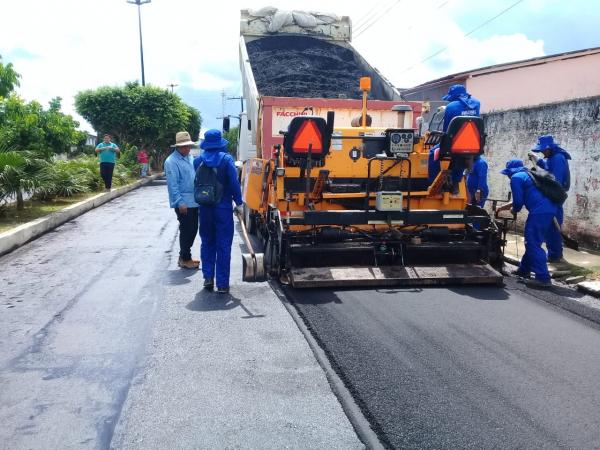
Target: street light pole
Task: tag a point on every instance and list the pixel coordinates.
(140, 3)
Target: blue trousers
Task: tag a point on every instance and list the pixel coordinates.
(216, 235)
(554, 239)
(435, 167)
(534, 259)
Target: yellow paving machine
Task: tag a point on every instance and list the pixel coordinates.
(353, 206)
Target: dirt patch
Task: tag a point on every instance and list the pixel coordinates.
(300, 66)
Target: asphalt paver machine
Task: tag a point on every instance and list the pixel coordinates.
(353, 206)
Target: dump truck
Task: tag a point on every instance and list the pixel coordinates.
(303, 71)
(338, 190)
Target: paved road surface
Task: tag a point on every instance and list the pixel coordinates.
(105, 343)
(468, 367)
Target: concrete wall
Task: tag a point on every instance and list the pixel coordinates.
(550, 82)
(575, 125)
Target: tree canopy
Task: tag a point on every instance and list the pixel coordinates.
(27, 126)
(232, 137)
(9, 78)
(144, 116)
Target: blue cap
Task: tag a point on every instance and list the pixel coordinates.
(213, 140)
(512, 166)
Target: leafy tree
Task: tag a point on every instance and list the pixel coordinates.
(145, 116)
(9, 78)
(60, 130)
(232, 137)
(27, 126)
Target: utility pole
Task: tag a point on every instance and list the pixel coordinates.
(172, 86)
(241, 99)
(140, 3)
(223, 97)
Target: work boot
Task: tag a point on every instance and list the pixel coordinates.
(223, 290)
(209, 283)
(188, 264)
(538, 284)
(558, 262)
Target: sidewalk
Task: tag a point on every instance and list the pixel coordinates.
(583, 268)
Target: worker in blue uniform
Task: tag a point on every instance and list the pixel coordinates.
(461, 104)
(555, 161)
(216, 222)
(540, 219)
(477, 184)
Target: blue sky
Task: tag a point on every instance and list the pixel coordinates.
(70, 45)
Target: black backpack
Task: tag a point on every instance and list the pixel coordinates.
(548, 186)
(208, 191)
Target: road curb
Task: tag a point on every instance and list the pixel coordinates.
(361, 425)
(590, 287)
(12, 239)
(588, 308)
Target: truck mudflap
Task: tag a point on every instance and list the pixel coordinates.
(451, 274)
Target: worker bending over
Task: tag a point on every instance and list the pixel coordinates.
(461, 104)
(555, 161)
(539, 221)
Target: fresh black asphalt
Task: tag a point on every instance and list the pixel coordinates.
(464, 367)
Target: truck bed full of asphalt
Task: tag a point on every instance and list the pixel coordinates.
(300, 66)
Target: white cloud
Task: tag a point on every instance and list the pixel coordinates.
(83, 44)
(412, 40)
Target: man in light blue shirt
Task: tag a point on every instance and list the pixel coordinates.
(107, 151)
(180, 173)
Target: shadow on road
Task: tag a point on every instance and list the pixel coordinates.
(486, 293)
(311, 296)
(178, 277)
(206, 301)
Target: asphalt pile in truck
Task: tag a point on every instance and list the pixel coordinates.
(300, 66)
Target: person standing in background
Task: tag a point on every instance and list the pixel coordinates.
(142, 158)
(477, 185)
(107, 152)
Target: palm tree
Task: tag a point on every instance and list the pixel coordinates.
(20, 173)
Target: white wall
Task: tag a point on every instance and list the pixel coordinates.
(576, 126)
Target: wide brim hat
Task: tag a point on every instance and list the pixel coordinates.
(454, 92)
(182, 139)
(512, 166)
(213, 140)
(545, 143)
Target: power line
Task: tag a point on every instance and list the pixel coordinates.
(438, 7)
(364, 19)
(373, 22)
(410, 27)
(477, 28)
